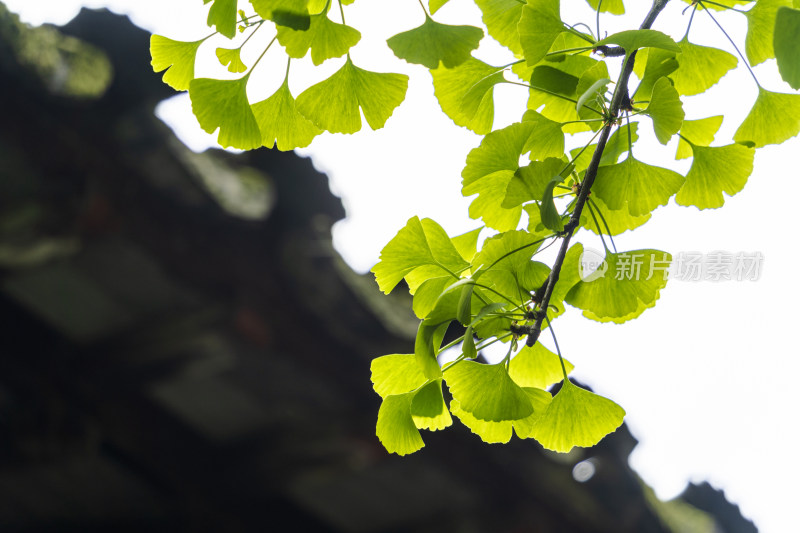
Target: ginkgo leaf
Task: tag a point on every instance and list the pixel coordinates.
(500, 432)
(716, 170)
(396, 429)
(177, 57)
(700, 67)
(427, 295)
(467, 244)
(501, 18)
(425, 346)
(536, 366)
(539, 26)
(569, 277)
(666, 110)
(546, 139)
(291, 13)
(223, 105)
(434, 42)
(326, 39)
(699, 132)
(638, 186)
(436, 5)
(231, 58)
(396, 374)
(281, 124)
(491, 189)
(774, 118)
(452, 85)
(618, 144)
(651, 65)
(787, 45)
(576, 417)
(760, 30)
(529, 182)
(487, 392)
(615, 7)
(609, 222)
(334, 103)
(428, 409)
(549, 214)
(631, 40)
(222, 14)
(505, 264)
(419, 243)
(629, 284)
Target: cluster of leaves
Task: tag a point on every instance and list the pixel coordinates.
(502, 293)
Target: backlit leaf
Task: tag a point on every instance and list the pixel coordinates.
(334, 103)
(787, 45)
(326, 39)
(700, 67)
(428, 293)
(666, 110)
(538, 28)
(576, 417)
(638, 186)
(222, 14)
(529, 182)
(419, 243)
(452, 85)
(651, 65)
(760, 30)
(774, 118)
(434, 42)
(425, 347)
(536, 366)
(631, 40)
(501, 18)
(467, 244)
(177, 57)
(396, 429)
(500, 432)
(281, 124)
(436, 5)
(487, 392)
(716, 170)
(609, 222)
(506, 265)
(231, 58)
(223, 105)
(700, 132)
(428, 409)
(615, 7)
(396, 374)
(291, 13)
(629, 284)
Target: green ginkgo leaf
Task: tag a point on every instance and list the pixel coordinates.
(425, 346)
(223, 105)
(716, 170)
(637, 186)
(569, 277)
(700, 132)
(231, 58)
(334, 103)
(501, 18)
(420, 243)
(774, 118)
(546, 139)
(428, 409)
(787, 45)
(576, 417)
(396, 429)
(325, 38)
(549, 214)
(487, 392)
(666, 110)
(538, 28)
(601, 220)
(505, 264)
(619, 143)
(434, 42)
(628, 284)
(396, 374)
(700, 67)
(176, 57)
(631, 40)
(500, 432)
(451, 86)
(529, 182)
(467, 244)
(615, 7)
(536, 366)
(281, 124)
(436, 5)
(222, 14)
(651, 65)
(427, 295)
(758, 44)
(291, 13)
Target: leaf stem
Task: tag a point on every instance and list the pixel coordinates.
(746, 63)
(540, 89)
(558, 350)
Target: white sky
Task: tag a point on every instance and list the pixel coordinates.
(707, 376)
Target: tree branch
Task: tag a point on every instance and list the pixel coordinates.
(619, 101)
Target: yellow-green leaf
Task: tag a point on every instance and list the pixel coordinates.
(451, 85)
(396, 374)
(638, 186)
(223, 105)
(666, 110)
(760, 30)
(787, 45)
(325, 38)
(176, 57)
(232, 59)
(222, 14)
(434, 42)
(538, 28)
(774, 118)
(536, 366)
(716, 170)
(487, 392)
(396, 429)
(700, 67)
(428, 409)
(700, 132)
(281, 124)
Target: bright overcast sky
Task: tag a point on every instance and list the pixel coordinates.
(707, 376)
